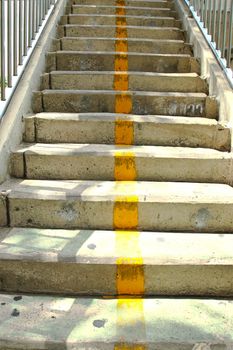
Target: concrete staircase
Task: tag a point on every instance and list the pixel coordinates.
(119, 200)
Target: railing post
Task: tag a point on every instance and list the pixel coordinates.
(3, 63)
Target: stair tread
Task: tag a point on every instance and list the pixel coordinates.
(45, 322)
(113, 53)
(135, 93)
(100, 247)
(118, 16)
(152, 74)
(133, 117)
(126, 7)
(164, 192)
(123, 26)
(64, 149)
(172, 41)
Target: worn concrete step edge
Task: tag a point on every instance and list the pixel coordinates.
(75, 30)
(109, 162)
(129, 10)
(96, 323)
(130, 19)
(134, 45)
(141, 102)
(150, 206)
(98, 262)
(145, 3)
(102, 60)
(147, 130)
(140, 81)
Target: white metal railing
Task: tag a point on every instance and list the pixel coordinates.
(21, 24)
(215, 19)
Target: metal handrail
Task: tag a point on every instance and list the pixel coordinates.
(21, 24)
(215, 19)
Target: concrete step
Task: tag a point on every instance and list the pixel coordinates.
(83, 262)
(104, 324)
(146, 130)
(138, 102)
(130, 20)
(105, 61)
(166, 33)
(127, 10)
(126, 205)
(139, 81)
(114, 162)
(133, 45)
(137, 3)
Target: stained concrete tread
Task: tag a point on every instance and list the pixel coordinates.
(134, 20)
(148, 130)
(105, 61)
(162, 206)
(140, 81)
(99, 162)
(134, 45)
(130, 10)
(188, 104)
(49, 322)
(144, 3)
(172, 263)
(95, 30)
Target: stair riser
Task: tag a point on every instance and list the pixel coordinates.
(136, 32)
(143, 21)
(92, 279)
(76, 102)
(70, 61)
(101, 167)
(138, 83)
(130, 11)
(83, 130)
(165, 47)
(152, 4)
(75, 212)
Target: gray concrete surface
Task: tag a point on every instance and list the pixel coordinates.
(87, 262)
(48, 322)
(98, 162)
(90, 204)
(147, 130)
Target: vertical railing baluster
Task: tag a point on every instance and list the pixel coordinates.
(25, 28)
(29, 23)
(223, 47)
(219, 25)
(15, 38)
(9, 44)
(214, 21)
(20, 32)
(229, 53)
(3, 63)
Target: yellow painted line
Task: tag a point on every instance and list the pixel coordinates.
(126, 213)
(125, 167)
(130, 315)
(130, 269)
(123, 101)
(124, 132)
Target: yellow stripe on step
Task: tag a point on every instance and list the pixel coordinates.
(130, 270)
(125, 167)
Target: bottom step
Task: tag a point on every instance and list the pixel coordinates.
(47, 322)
